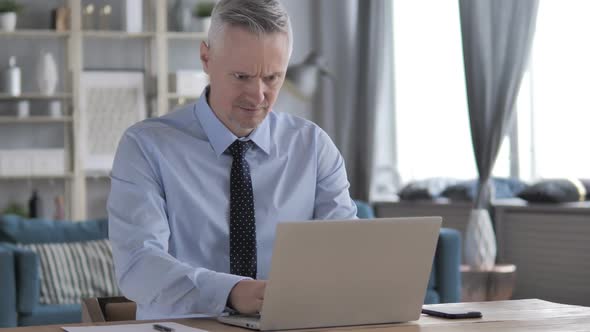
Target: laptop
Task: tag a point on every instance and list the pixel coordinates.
(341, 273)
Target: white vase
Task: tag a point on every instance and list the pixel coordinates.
(480, 241)
(134, 16)
(7, 21)
(55, 109)
(47, 74)
(23, 109)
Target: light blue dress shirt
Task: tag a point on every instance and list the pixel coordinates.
(169, 203)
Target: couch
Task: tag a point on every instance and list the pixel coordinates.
(19, 268)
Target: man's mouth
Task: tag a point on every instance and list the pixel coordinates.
(251, 109)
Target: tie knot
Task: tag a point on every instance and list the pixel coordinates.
(238, 148)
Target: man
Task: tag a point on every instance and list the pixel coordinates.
(196, 195)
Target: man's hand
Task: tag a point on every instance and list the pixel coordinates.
(247, 296)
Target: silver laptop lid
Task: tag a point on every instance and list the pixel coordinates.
(355, 272)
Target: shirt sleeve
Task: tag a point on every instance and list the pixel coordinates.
(332, 197)
(139, 233)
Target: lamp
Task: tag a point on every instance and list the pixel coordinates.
(302, 79)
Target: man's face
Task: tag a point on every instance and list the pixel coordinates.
(246, 72)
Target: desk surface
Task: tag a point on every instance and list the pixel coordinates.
(516, 315)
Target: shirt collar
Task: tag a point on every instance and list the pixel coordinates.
(220, 136)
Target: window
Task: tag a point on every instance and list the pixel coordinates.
(554, 104)
(433, 131)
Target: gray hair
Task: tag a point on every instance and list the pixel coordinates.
(257, 16)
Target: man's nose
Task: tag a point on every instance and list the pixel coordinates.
(256, 92)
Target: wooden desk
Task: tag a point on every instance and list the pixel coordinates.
(516, 315)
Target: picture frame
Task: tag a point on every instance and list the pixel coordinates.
(111, 101)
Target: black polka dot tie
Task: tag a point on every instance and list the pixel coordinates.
(242, 224)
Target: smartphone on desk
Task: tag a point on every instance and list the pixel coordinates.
(452, 314)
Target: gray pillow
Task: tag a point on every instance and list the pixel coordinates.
(556, 191)
(425, 189)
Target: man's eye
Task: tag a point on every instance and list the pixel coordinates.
(241, 77)
(272, 78)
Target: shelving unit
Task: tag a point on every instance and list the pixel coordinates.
(116, 34)
(66, 176)
(35, 119)
(156, 37)
(35, 33)
(35, 96)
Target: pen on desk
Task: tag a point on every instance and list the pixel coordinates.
(162, 328)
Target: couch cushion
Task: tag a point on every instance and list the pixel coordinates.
(25, 270)
(426, 189)
(556, 191)
(432, 279)
(431, 297)
(16, 229)
(72, 271)
(52, 314)
(364, 210)
(8, 288)
(467, 190)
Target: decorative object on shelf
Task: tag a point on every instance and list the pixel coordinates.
(202, 13)
(47, 74)
(59, 212)
(8, 11)
(55, 109)
(60, 19)
(48, 162)
(104, 17)
(11, 78)
(88, 21)
(34, 205)
(134, 16)
(111, 102)
(182, 16)
(188, 82)
(302, 79)
(23, 109)
(480, 241)
(33, 162)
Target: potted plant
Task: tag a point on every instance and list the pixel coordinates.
(16, 209)
(202, 12)
(8, 11)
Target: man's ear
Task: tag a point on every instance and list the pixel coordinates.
(205, 51)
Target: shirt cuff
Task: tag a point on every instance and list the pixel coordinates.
(216, 287)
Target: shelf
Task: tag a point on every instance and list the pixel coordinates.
(98, 174)
(35, 33)
(36, 96)
(35, 119)
(37, 177)
(177, 96)
(187, 35)
(117, 34)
